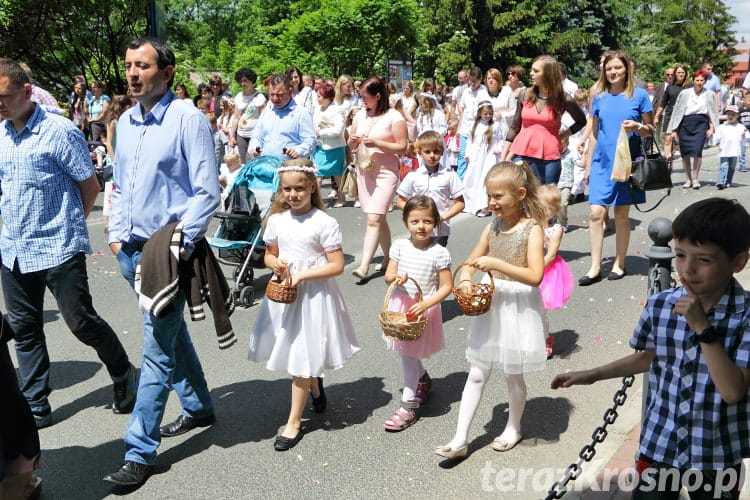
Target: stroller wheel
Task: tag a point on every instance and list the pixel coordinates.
(247, 296)
(245, 278)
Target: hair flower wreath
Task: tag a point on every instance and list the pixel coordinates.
(298, 168)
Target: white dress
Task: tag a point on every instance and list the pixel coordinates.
(482, 157)
(509, 336)
(314, 332)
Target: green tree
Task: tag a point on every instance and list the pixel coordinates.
(64, 38)
(668, 31)
(352, 36)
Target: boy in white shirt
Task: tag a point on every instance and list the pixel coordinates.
(730, 136)
(438, 182)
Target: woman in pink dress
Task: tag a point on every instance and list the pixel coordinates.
(535, 135)
(378, 135)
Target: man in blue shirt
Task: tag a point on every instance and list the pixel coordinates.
(713, 83)
(164, 172)
(48, 187)
(285, 129)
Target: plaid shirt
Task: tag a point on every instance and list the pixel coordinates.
(686, 423)
(40, 200)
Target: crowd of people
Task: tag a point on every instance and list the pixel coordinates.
(519, 154)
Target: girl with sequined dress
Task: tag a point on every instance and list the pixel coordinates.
(510, 336)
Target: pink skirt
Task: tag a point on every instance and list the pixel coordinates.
(377, 187)
(431, 340)
(557, 284)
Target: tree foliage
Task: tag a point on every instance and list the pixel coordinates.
(330, 37)
(66, 37)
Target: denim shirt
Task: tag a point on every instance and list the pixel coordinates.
(41, 204)
(164, 171)
(279, 128)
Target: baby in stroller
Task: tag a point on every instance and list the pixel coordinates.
(238, 238)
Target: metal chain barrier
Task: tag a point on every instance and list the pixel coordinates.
(659, 278)
(559, 488)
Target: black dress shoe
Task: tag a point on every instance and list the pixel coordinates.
(130, 474)
(613, 276)
(587, 280)
(184, 424)
(319, 403)
(283, 443)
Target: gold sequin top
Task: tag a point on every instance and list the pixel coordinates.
(510, 246)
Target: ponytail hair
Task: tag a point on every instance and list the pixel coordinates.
(517, 175)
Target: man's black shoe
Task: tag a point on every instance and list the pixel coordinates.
(130, 474)
(184, 424)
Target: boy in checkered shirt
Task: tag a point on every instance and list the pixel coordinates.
(694, 341)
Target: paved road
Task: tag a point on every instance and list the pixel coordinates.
(345, 452)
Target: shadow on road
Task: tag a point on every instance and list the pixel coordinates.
(64, 374)
(250, 411)
(256, 410)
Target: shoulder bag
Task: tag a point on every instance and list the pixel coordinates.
(651, 172)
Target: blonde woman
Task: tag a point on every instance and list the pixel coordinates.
(617, 103)
(344, 94)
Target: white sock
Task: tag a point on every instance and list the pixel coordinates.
(516, 404)
(412, 371)
(470, 398)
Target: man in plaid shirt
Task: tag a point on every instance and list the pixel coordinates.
(693, 341)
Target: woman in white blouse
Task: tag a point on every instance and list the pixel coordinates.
(330, 152)
(694, 118)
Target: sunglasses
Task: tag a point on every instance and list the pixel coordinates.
(511, 73)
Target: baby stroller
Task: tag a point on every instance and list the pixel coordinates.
(238, 239)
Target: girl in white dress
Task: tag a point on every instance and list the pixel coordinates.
(314, 332)
(427, 263)
(483, 148)
(510, 336)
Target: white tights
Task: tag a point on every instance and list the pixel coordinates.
(413, 370)
(473, 389)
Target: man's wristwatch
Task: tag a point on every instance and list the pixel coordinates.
(707, 336)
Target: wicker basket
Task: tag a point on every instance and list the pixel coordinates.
(396, 325)
(478, 300)
(281, 291)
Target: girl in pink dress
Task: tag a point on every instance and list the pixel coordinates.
(378, 135)
(427, 263)
(557, 283)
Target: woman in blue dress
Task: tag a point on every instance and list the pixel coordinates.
(616, 103)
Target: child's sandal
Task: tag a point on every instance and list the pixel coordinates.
(422, 394)
(400, 420)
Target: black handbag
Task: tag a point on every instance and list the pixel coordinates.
(651, 172)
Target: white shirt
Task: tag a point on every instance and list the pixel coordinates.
(730, 137)
(249, 108)
(443, 186)
(468, 106)
(570, 87)
(696, 104)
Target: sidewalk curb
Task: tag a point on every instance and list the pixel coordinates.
(615, 453)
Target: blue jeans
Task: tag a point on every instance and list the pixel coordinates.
(169, 361)
(24, 301)
(546, 171)
(462, 165)
(743, 167)
(726, 169)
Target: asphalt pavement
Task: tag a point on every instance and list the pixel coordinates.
(345, 452)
